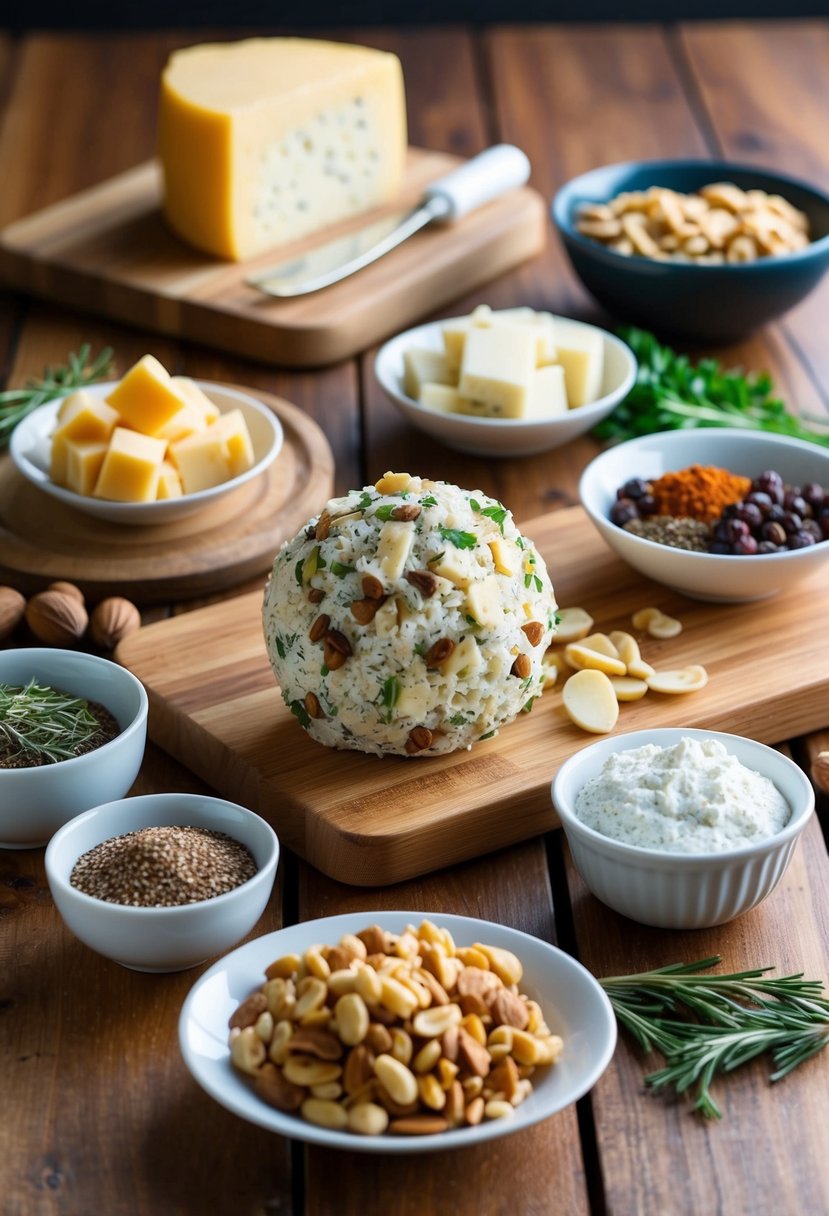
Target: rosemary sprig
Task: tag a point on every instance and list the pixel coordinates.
(709, 1024)
(42, 725)
(77, 372)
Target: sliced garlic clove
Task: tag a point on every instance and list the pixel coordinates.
(663, 626)
(626, 646)
(590, 702)
(628, 689)
(685, 679)
(602, 643)
(640, 670)
(581, 657)
(573, 623)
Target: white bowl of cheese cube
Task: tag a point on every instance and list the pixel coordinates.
(505, 383)
(83, 451)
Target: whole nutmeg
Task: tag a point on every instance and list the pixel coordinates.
(56, 618)
(67, 589)
(112, 620)
(12, 607)
(820, 771)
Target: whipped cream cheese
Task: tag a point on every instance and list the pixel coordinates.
(693, 797)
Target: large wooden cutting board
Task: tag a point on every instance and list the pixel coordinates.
(370, 821)
(108, 251)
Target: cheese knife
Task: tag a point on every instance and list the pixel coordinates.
(485, 177)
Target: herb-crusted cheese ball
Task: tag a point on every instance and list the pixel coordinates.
(409, 618)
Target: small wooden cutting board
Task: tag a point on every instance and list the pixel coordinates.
(222, 545)
(108, 251)
(369, 821)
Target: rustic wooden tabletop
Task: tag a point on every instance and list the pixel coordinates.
(98, 1111)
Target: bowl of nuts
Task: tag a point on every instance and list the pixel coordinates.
(72, 733)
(704, 251)
(720, 514)
(405, 1036)
(161, 882)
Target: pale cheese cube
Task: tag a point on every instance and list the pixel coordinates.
(581, 354)
(464, 660)
(422, 366)
(542, 323)
(195, 396)
(454, 340)
(145, 398)
(415, 700)
(202, 460)
(188, 421)
(548, 397)
(265, 140)
(484, 603)
(85, 418)
(497, 368)
(233, 431)
(505, 555)
(457, 565)
(131, 467)
(394, 545)
(385, 619)
(445, 399)
(83, 465)
(169, 482)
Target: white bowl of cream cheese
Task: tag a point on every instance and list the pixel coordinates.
(681, 828)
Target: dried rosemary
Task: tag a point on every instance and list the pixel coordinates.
(41, 725)
(709, 1024)
(16, 403)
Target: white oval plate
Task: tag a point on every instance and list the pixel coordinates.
(30, 448)
(574, 1004)
(503, 436)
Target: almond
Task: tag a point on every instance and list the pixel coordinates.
(12, 608)
(112, 620)
(56, 618)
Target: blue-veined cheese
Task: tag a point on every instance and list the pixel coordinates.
(266, 140)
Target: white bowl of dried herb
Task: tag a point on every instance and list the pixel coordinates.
(72, 732)
(161, 882)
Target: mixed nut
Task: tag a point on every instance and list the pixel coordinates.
(404, 1033)
(59, 617)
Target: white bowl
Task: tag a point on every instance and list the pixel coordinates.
(162, 939)
(35, 802)
(681, 890)
(706, 576)
(30, 449)
(574, 1004)
(502, 436)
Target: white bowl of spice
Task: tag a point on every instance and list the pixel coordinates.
(72, 732)
(162, 882)
(755, 505)
(681, 828)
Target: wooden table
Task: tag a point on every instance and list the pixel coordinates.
(98, 1111)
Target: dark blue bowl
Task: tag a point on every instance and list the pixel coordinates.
(706, 304)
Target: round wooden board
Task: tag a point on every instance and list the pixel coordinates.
(235, 539)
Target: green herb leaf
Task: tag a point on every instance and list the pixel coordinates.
(461, 540)
(77, 373)
(671, 393)
(429, 501)
(388, 697)
(384, 511)
(340, 570)
(709, 1024)
(299, 711)
(497, 514)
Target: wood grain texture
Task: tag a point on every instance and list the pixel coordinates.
(368, 821)
(107, 250)
(219, 547)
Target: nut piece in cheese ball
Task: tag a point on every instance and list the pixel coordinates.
(408, 618)
(266, 140)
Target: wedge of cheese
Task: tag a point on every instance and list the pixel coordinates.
(266, 140)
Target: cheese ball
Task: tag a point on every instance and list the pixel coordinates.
(410, 618)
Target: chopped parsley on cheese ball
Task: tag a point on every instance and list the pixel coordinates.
(409, 618)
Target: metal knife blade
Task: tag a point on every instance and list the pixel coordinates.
(481, 179)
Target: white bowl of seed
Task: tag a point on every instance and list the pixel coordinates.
(162, 882)
(72, 732)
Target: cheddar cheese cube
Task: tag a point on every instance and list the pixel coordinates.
(131, 467)
(233, 430)
(202, 460)
(196, 397)
(85, 418)
(169, 482)
(146, 398)
(83, 465)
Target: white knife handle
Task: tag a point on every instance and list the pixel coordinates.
(481, 179)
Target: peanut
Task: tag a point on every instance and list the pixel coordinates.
(397, 1080)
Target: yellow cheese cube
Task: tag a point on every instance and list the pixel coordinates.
(548, 392)
(202, 460)
(497, 368)
(57, 460)
(581, 354)
(395, 483)
(457, 565)
(454, 340)
(145, 398)
(169, 482)
(131, 467)
(424, 366)
(393, 546)
(505, 555)
(196, 397)
(232, 429)
(266, 140)
(83, 465)
(188, 421)
(85, 418)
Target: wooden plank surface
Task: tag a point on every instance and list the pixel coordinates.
(368, 821)
(71, 1024)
